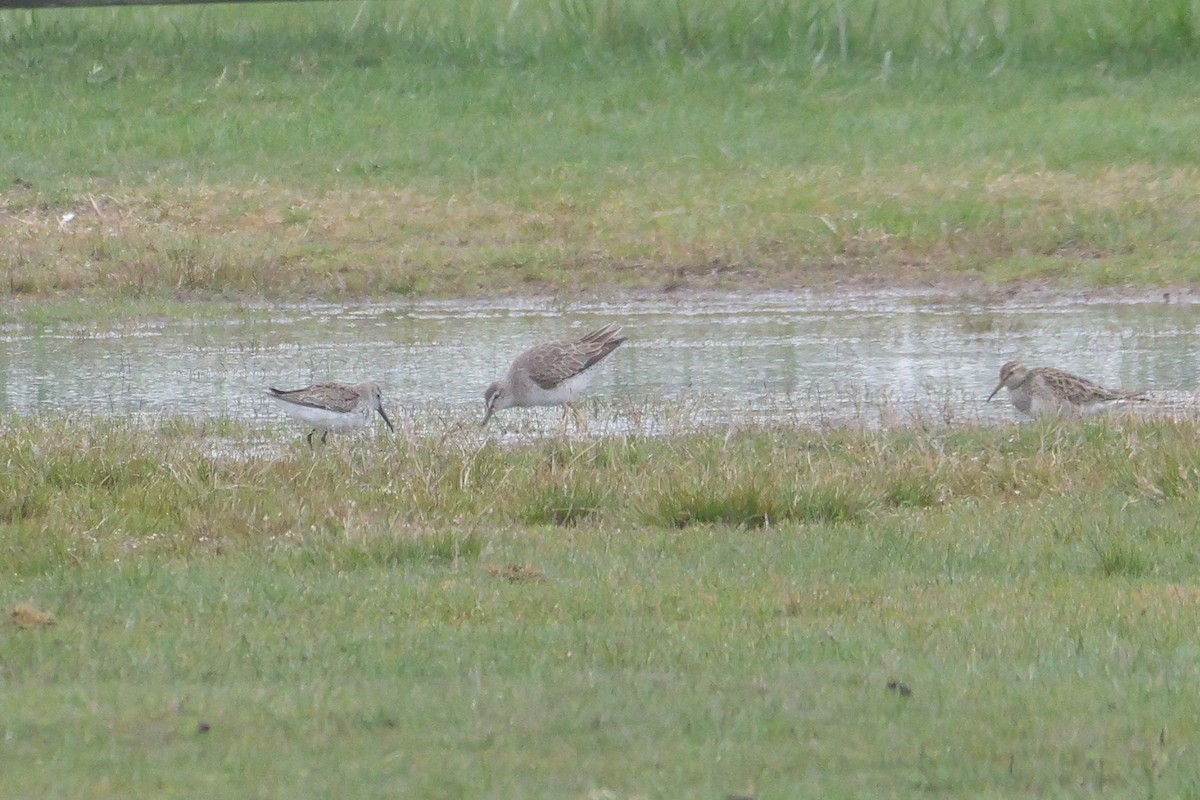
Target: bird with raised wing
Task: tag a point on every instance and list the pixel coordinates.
(552, 374)
(335, 407)
(1042, 391)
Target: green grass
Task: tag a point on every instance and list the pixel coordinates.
(466, 148)
(448, 618)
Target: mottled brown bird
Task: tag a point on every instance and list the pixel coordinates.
(552, 374)
(1042, 391)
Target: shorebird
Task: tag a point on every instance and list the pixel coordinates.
(329, 407)
(552, 374)
(1042, 391)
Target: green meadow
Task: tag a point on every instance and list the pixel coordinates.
(760, 612)
(1004, 612)
(467, 148)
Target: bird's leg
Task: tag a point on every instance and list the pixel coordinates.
(580, 415)
(324, 436)
(562, 423)
(309, 438)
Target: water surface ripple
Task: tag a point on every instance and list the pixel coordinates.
(809, 358)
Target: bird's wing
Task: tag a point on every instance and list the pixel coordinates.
(1081, 391)
(550, 364)
(328, 396)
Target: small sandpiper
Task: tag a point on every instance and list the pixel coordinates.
(329, 407)
(1043, 391)
(552, 374)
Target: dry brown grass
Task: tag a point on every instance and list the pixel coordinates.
(760, 231)
(517, 573)
(27, 616)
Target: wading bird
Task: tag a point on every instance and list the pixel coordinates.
(552, 374)
(1042, 391)
(329, 407)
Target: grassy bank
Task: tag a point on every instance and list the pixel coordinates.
(992, 612)
(450, 149)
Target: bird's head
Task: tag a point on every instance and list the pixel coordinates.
(493, 400)
(1011, 376)
(375, 395)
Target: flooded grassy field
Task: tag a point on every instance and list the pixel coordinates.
(860, 358)
(797, 554)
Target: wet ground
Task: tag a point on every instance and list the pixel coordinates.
(810, 359)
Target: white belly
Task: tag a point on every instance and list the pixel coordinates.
(325, 420)
(568, 391)
(1042, 407)
(573, 388)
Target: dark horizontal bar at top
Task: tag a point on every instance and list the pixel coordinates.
(96, 3)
